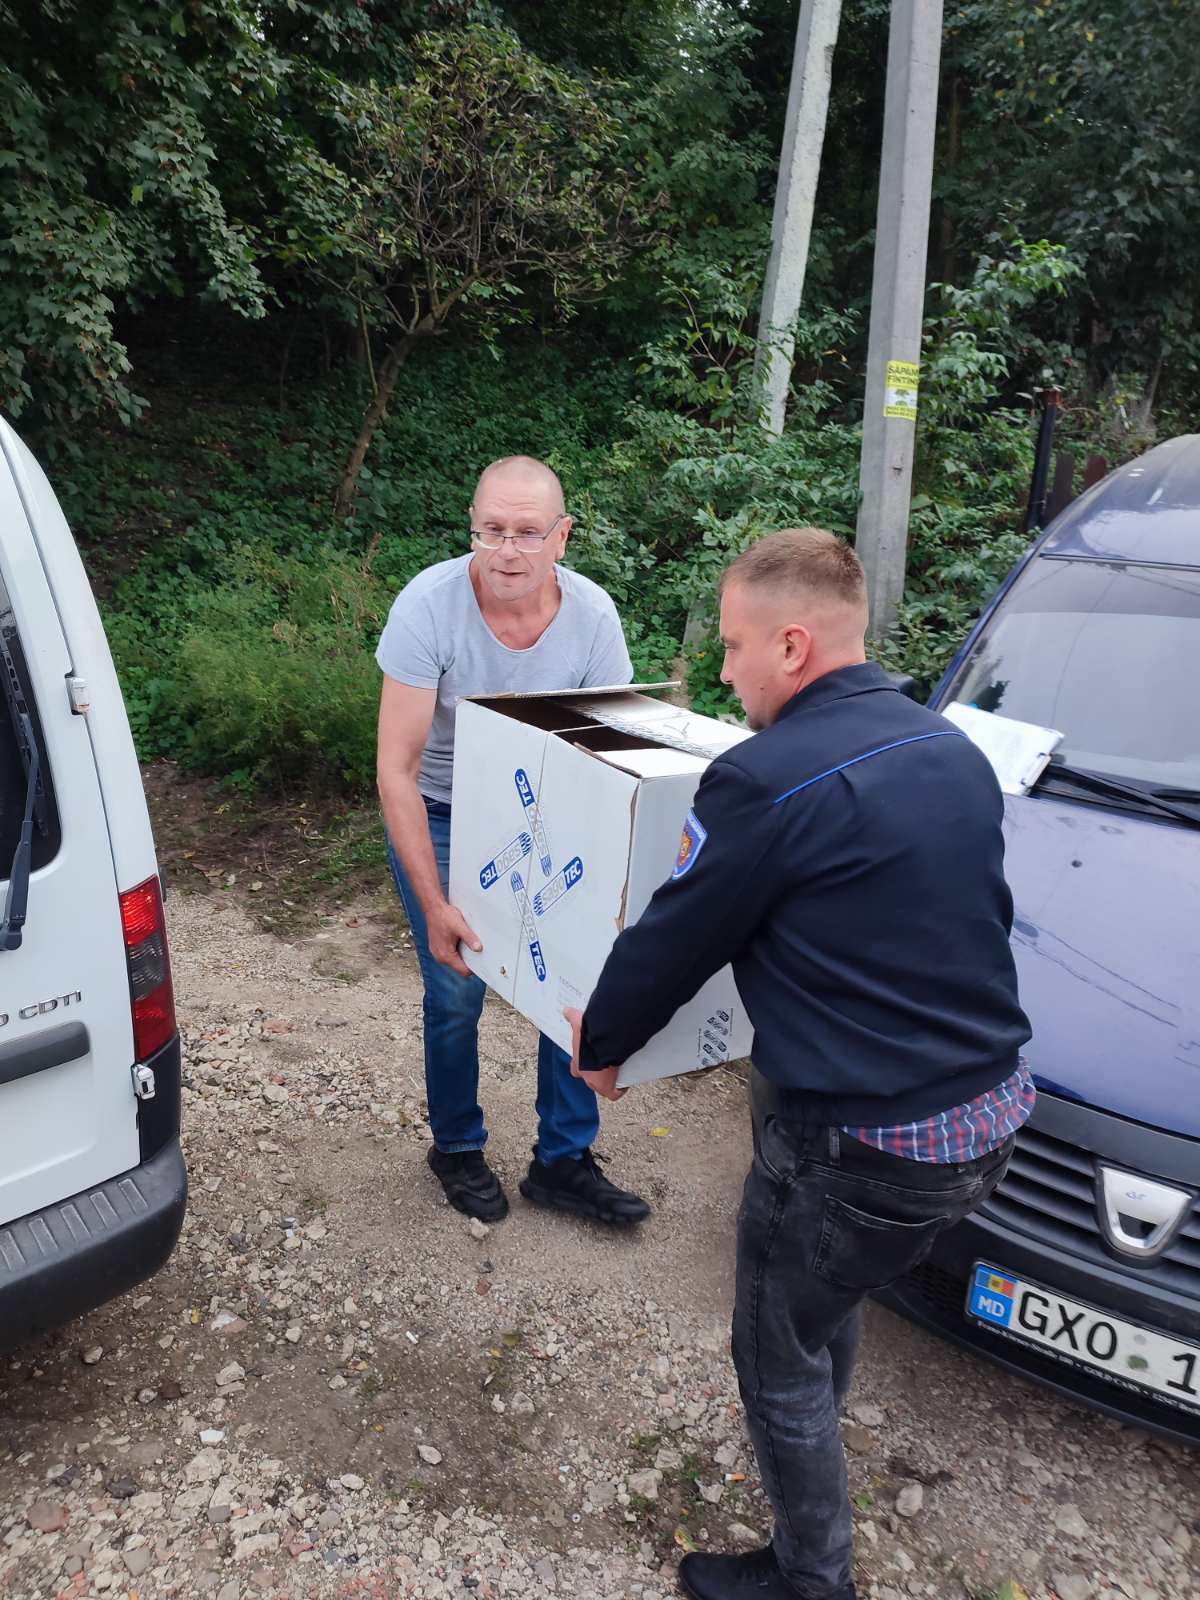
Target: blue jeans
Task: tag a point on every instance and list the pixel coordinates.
(568, 1114)
(824, 1221)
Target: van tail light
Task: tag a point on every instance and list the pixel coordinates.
(150, 991)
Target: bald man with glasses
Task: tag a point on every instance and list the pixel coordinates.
(506, 617)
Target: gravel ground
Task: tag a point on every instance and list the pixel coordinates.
(339, 1387)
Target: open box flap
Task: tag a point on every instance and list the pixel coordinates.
(665, 724)
(563, 694)
(664, 762)
(628, 709)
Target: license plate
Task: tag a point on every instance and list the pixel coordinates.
(1129, 1355)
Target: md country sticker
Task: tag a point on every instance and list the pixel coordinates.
(992, 1295)
(694, 838)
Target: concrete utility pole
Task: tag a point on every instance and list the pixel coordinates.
(898, 301)
(795, 193)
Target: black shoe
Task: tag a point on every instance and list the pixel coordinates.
(470, 1184)
(579, 1185)
(751, 1577)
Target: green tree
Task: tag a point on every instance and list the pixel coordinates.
(1081, 124)
(486, 175)
(114, 123)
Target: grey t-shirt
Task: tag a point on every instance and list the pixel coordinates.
(436, 638)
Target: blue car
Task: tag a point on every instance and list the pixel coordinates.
(1083, 1270)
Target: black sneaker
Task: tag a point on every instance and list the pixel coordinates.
(470, 1184)
(579, 1185)
(755, 1576)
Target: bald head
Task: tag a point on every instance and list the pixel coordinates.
(526, 475)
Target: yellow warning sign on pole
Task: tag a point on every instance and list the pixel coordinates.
(900, 392)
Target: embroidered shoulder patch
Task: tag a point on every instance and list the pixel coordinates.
(690, 846)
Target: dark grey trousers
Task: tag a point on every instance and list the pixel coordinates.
(824, 1220)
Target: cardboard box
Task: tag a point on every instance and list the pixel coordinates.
(567, 814)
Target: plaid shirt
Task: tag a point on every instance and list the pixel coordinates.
(965, 1133)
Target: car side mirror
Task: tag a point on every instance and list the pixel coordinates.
(905, 683)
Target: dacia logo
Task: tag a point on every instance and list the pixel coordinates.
(41, 1008)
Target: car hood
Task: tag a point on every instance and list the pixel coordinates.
(1106, 934)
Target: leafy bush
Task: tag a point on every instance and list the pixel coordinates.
(274, 675)
(981, 335)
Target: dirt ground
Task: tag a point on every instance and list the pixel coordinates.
(337, 1387)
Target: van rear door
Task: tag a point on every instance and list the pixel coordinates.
(68, 1112)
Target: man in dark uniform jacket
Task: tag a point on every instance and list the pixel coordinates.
(848, 860)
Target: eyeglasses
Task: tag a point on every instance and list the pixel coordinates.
(527, 543)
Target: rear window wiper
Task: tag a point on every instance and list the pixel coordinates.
(17, 899)
(1100, 784)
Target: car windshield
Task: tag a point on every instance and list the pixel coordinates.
(1106, 653)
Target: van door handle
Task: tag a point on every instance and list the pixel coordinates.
(54, 1047)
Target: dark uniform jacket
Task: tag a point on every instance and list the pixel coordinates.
(848, 861)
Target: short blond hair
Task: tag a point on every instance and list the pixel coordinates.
(807, 559)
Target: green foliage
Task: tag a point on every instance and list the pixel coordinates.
(244, 633)
(698, 494)
(1082, 122)
(702, 363)
(982, 337)
(251, 158)
(114, 121)
(482, 173)
(958, 556)
(321, 154)
(273, 674)
(685, 127)
(325, 187)
(580, 35)
(478, 165)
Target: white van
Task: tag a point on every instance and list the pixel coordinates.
(92, 1180)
